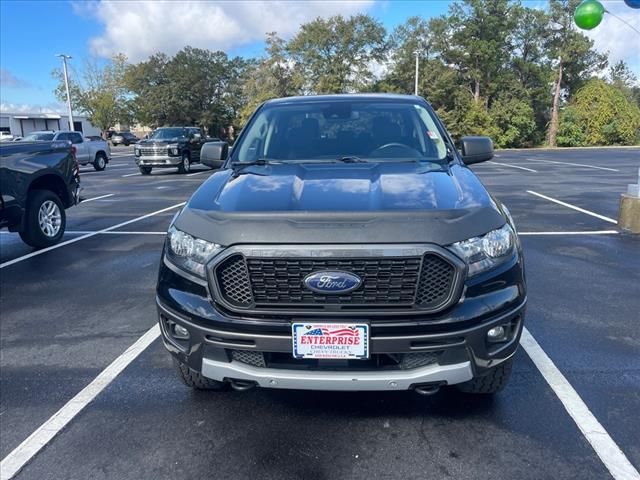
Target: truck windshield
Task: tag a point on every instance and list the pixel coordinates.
(342, 130)
(168, 133)
(38, 137)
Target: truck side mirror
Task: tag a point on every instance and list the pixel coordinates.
(213, 154)
(476, 149)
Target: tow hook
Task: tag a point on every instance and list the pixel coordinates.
(427, 389)
(241, 385)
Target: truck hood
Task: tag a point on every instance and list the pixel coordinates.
(341, 203)
(159, 143)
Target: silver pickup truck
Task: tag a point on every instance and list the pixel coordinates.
(95, 152)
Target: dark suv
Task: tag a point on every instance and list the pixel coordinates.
(169, 147)
(345, 245)
(123, 138)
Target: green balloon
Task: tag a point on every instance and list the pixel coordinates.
(589, 14)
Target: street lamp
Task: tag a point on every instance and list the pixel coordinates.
(417, 54)
(66, 85)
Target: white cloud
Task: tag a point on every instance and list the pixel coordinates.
(139, 29)
(32, 108)
(615, 37)
(9, 80)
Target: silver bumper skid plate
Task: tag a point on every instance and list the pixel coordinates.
(345, 381)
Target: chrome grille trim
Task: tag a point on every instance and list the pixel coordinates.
(154, 152)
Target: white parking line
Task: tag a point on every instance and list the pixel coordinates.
(514, 166)
(98, 198)
(586, 232)
(24, 452)
(114, 232)
(607, 450)
(613, 458)
(131, 174)
(573, 207)
(197, 173)
(77, 239)
(573, 164)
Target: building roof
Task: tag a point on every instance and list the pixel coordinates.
(49, 116)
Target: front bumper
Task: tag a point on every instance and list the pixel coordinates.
(456, 337)
(462, 354)
(158, 161)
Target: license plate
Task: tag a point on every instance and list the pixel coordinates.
(330, 340)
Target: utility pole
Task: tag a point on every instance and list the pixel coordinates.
(417, 54)
(66, 85)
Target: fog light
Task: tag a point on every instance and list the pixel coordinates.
(496, 334)
(180, 332)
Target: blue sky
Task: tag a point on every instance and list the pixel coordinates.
(33, 31)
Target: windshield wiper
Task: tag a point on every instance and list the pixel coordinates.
(350, 159)
(240, 166)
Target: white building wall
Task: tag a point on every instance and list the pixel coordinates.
(23, 123)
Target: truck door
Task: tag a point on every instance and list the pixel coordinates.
(83, 153)
(197, 141)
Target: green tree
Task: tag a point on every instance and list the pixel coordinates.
(273, 76)
(575, 59)
(335, 54)
(622, 77)
(194, 87)
(514, 121)
(405, 40)
(600, 114)
(530, 67)
(475, 38)
(100, 92)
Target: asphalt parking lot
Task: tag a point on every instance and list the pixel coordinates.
(68, 313)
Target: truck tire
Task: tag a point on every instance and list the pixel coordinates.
(145, 170)
(492, 382)
(45, 219)
(100, 162)
(185, 165)
(195, 380)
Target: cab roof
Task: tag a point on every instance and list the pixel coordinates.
(345, 97)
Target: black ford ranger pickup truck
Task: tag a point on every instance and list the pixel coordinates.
(169, 147)
(344, 245)
(38, 181)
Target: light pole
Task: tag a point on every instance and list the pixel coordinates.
(66, 85)
(417, 54)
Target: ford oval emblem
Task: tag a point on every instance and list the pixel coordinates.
(332, 282)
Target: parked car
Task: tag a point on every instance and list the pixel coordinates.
(123, 138)
(38, 181)
(95, 152)
(6, 136)
(345, 245)
(169, 147)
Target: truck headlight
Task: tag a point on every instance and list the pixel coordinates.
(136, 152)
(174, 149)
(190, 253)
(485, 252)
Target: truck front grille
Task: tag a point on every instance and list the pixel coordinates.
(268, 284)
(153, 152)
